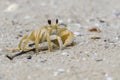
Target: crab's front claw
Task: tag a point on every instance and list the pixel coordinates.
(67, 38)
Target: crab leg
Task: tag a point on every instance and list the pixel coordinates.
(37, 39)
(17, 49)
(69, 39)
(49, 41)
(57, 41)
(19, 45)
(31, 36)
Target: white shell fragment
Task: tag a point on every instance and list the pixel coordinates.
(11, 7)
(58, 71)
(64, 53)
(76, 34)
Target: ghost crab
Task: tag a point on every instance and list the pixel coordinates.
(51, 33)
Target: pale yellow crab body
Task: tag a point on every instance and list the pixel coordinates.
(60, 36)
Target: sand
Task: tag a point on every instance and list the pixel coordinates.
(88, 59)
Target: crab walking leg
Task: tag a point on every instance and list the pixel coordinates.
(59, 40)
(19, 45)
(69, 39)
(31, 36)
(17, 49)
(37, 40)
(49, 41)
(43, 35)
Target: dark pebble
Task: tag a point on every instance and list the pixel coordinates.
(98, 60)
(102, 21)
(29, 57)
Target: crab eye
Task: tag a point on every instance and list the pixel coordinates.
(56, 21)
(49, 22)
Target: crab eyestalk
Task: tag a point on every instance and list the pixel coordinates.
(49, 21)
(56, 21)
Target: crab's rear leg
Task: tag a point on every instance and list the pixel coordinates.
(31, 37)
(19, 45)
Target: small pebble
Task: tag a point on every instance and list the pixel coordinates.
(94, 37)
(102, 21)
(97, 24)
(84, 59)
(19, 35)
(60, 21)
(11, 7)
(27, 17)
(43, 61)
(94, 29)
(93, 53)
(29, 57)
(59, 71)
(69, 20)
(76, 34)
(98, 60)
(64, 53)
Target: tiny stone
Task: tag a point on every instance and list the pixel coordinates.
(105, 40)
(96, 24)
(61, 70)
(94, 54)
(76, 34)
(29, 57)
(55, 74)
(19, 35)
(102, 21)
(43, 61)
(27, 30)
(11, 7)
(60, 21)
(69, 20)
(64, 53)
(84, 59)
(27, 17)
(58, 71)
(98, 60)
(94, 37)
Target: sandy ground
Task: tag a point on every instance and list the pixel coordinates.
(88, 59)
